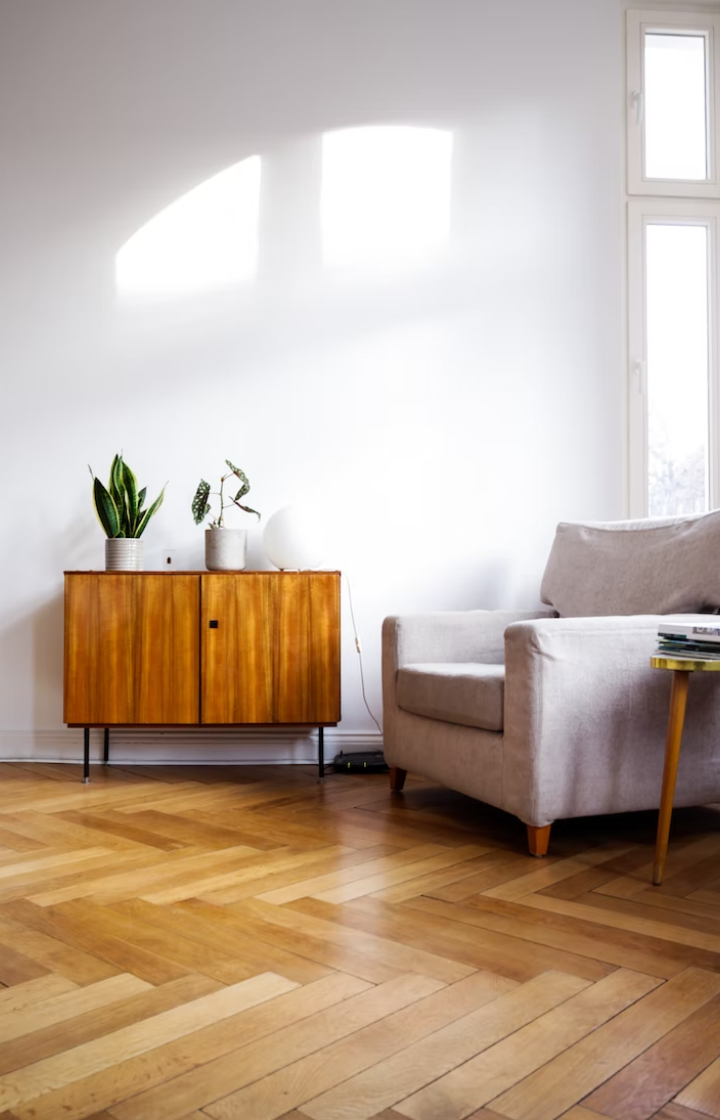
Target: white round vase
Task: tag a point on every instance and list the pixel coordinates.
(225, 549)
(123, 554)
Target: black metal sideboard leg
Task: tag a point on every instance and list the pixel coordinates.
(106, 746)
(321, 753)
(86, 755)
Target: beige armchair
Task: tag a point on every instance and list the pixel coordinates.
(555, 714)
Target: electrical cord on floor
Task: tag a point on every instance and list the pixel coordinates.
(358, 647)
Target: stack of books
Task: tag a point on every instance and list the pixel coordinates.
(696, 641)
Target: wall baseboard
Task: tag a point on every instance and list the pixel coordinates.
(194, 746)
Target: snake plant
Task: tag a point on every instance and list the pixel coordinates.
(201, 504)
(120, 507)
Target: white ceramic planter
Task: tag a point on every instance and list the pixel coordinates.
(225, 549)
(124, 554)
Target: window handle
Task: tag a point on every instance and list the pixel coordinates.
(638, 376)
(637, 102)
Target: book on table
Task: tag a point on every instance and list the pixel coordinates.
(689, 638)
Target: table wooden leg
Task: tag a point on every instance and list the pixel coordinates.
(678, 697)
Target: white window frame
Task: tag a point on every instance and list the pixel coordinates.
(690, 23)
(642, 213)
(668, 201)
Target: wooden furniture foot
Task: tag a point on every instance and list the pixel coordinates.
(538, 839)
(678, 698)
(397, 778)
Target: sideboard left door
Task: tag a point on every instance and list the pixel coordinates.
(132, 648)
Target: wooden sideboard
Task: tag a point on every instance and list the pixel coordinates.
(211, 649)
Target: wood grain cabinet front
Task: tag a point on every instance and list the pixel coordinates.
(132, 648)
(145, 648)
(271, 648)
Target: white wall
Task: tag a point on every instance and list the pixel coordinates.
(445, 419)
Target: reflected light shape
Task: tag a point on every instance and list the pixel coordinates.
(205, 239)
(385, 196)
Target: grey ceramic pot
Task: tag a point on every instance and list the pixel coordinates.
(225, 550)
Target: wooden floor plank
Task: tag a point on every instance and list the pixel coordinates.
(212, 928)
(475, 948)
(566, 1080)
(87, 1025)
(703, 1093)
(550, 873)
(295, 951)
(334, 1064)
(512, 920)
(393, 953)
(384, 879)
(651, 1081)
(52, 953)
(710, 942)
(22, 1086)
(227, 1076)
(181, 1065)
(63, 924)
(317, 861)
(58, 1008)
(164, 943)
(475, 1083)
(317, 884)
(164, 954)
(30, 992)
(84, 883)
(645, 952)
(676, 1111)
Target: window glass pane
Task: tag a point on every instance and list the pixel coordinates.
(677, 368)
(675, 106)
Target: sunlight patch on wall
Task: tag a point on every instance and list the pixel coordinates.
(385, 198)
(206, 239)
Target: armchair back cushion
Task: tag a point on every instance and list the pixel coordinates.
(665, 566)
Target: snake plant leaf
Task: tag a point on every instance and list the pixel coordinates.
(200, 505)
(130, 500)
(106, 510)
(149, 513)
(246, 508)
(115, 482)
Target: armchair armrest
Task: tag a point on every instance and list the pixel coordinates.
(443, 636)
(581, 701)
(450, 636)
(570, 646)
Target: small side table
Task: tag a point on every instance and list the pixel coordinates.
(681, 668)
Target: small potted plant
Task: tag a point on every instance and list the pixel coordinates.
(225, 549)
(123, 516)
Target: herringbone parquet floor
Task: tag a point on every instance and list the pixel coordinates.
(221, 943)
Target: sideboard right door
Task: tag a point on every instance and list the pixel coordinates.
(307, 657)
(270, 648)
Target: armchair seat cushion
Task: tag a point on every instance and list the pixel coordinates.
(468, 693)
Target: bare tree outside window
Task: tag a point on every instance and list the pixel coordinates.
(677, 328)
(676, 482)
